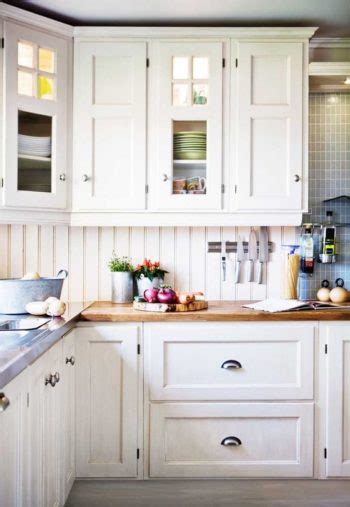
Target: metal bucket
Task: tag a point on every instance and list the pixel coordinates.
(15, 293)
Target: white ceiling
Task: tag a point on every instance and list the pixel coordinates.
(332, 16)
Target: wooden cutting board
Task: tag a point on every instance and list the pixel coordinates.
(162, 307)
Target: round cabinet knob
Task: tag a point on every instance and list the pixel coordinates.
(62, 177)
(231, 364)
(70, 360)
(4, 402)
(85, 178)
(50, 379)
(296, 178)
(165, 177)
(234, 441)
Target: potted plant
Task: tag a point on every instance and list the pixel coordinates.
(122, 279)
(149, 274)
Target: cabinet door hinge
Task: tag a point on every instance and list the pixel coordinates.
(235, 189)
(222, 188)
(326, 349)
(147, 62)
(138, 454)
(236, 62)
(325, 453)
(27, 399)
(146, 189)
(223, 62)
(1, 182)
(138, 349)
(2, 42)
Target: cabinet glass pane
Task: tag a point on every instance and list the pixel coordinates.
(46, 60)
(34, 152)
(25, 55)
(180, 67)
(200, 94)
(180, 94)
(189, 157)
(200, 68)
(25, 85)
(45, 87)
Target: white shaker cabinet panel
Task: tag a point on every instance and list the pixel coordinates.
(337, 336)
(270, 91)
(230, 361)
(45, 426)
(187, 102)
(231, 440)
(68, 413)
(109, 152)
(13, 443)
(106, 401)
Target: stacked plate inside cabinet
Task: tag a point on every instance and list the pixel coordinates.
(34, 146)
(190, 146)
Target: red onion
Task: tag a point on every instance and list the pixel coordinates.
(166, 295)
(150, 295)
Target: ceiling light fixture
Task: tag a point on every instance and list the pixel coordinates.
(347, 81)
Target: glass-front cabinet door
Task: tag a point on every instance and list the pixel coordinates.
(35, 170)
(189, 130)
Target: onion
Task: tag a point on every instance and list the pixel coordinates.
(150, 295)
(166, 295)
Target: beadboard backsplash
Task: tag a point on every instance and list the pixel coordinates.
(85, 251)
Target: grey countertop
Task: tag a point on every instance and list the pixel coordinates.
(16, 358)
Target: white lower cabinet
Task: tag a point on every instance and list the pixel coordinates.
(106, 400)
(207, 380)
(13, 448)
(230, 361)
(68, 413)
(231, 440)
(337, 337)
(45, 425)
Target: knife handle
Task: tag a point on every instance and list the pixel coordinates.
(260, 272)
(238, 271)
(251, 271)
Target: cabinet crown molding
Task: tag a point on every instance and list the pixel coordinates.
(193, 32)
(42, 22)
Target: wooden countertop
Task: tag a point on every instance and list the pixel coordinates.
(105, 311)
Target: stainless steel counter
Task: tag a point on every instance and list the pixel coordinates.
(18, 348)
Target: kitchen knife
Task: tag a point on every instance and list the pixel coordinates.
(239, 258)
(252, 254)
(263, 251)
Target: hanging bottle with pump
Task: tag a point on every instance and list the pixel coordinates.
(307, 259)
(328, 237)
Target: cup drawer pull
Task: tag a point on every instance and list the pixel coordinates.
(235, 441)
(231, 364)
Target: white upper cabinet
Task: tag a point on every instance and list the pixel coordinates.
(269, 134)
(35, 91)
(337, 336)
(109, 126)
(186, 164)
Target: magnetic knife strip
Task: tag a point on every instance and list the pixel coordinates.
(231, 246)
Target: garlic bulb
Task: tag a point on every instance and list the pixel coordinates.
(56, 308)
(37, 308)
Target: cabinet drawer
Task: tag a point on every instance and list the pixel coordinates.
(228, 361)
(273, 440)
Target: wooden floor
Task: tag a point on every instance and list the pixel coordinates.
(213, 493)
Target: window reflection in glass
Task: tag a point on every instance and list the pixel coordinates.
(25, 55)
(25, 84)
(46, 60)
(180, 94)
(180, 67)
(200, 68)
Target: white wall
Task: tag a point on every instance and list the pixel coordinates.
(84, 251)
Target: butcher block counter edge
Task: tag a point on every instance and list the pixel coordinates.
(225, 311)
